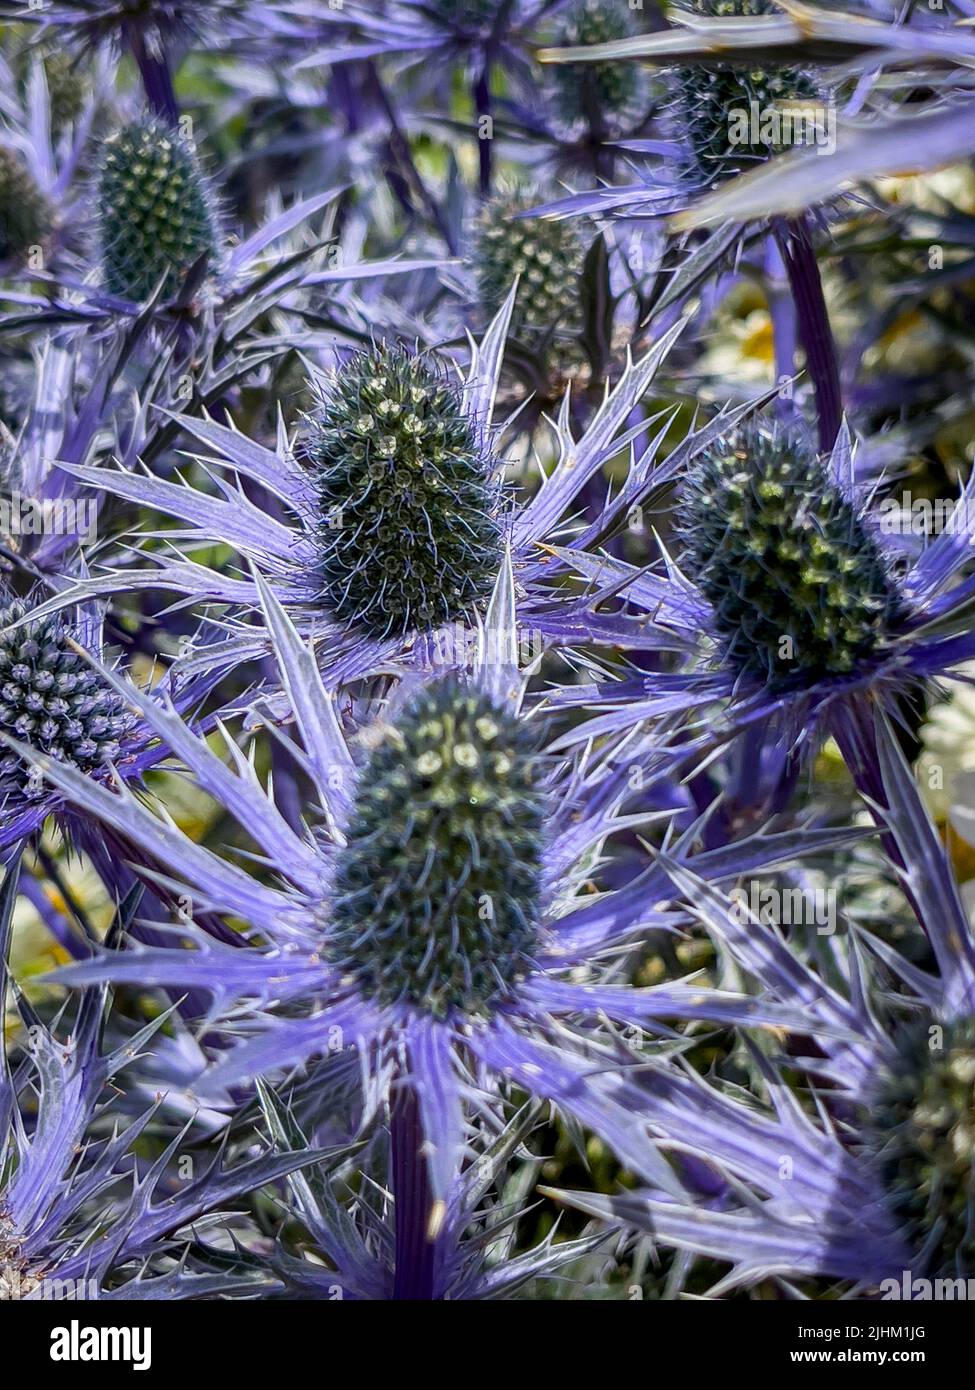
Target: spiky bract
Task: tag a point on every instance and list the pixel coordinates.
(603, 95)
(729, 115)
(922, 1122)
(796, 582)
(546, 257)
(435, 899)
(156, 213)
(25, 213)
(409, 533)
(52, 699)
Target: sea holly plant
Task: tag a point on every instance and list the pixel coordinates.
(883, 1199)
(808, 617)
(432, 912)
(27, 215)
(762, 97)
(41, 166)
(483, 38)
(154, 32)
(397, 523)
(60, 1175)
(485, 538)
(543, 258)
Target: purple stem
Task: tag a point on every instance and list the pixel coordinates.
(56, 922)
(853, 729)
(802, 268)
(400, 149)
(413, 1277)
(782, 312)
(157, 79)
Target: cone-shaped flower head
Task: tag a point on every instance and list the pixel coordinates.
(603, 95)
(435, 899)
(67, 89)
(53, 700)
(156, 212)
(923, 1134)
(25, 213)
(409, 533)
(726, 113)
(545, 255)
(796, 582)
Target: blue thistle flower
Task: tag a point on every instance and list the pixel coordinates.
(750, 51)
(874, 1182)
(153, 31)
(803, 619)
(52, 699)
(603, 96)
(156, 214)
(409, 533)
(921, 1131)
(797, 583)
(545, 257)
(366, 559)
(57, 699)
(708, 99)
(486, 989)
(436, 896)
(68, 88)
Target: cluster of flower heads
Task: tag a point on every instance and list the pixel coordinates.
(465, 649)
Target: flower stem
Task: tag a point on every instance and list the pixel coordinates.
(399, 148)
(153, 65)
(853, 729)
(802, 268)
(415, 1250)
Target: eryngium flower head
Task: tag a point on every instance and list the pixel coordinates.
(67, 88)
(435, 899)
(600, 94)
(52, 699)
(546, 256)
(796, 581)
(409, 535)
(25, 213)
(923, 1133)
(714, 105)
(156, 212)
